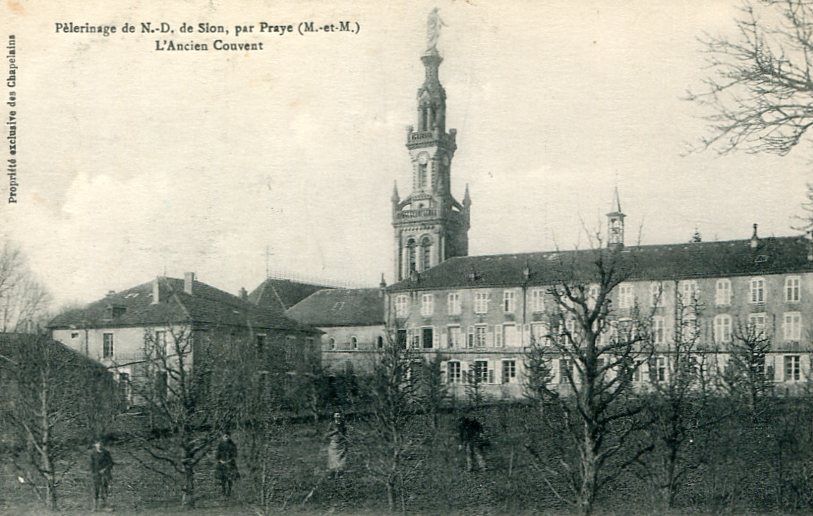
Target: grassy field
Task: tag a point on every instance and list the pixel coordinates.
(737, 471)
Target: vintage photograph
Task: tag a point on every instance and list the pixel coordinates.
(434, 257)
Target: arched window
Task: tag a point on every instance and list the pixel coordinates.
(380, 341)
(426, 253)
(422, 175)
(354, 342)
(412, 259)
(332, 344)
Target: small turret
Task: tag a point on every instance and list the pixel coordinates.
(615, 223)
(395, 197)
(754, 238)
(466, 198)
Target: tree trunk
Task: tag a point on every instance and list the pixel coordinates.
(587, 490)
(188, 499)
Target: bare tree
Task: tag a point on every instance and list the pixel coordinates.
(23, 299)
(51, 397)
(746, 376)
(677, 405)
(393, 392)
(189, 406)
(760, 92)
(599, 349)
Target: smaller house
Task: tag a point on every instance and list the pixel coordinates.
(279, 295)
(352, 321)
(115, 329)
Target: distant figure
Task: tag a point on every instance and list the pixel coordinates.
(472, 439)
(337, 447)
(101, 469)
(226, 468)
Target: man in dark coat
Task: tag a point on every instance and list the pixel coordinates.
(472, 439)
(226, 468)
(101, 469)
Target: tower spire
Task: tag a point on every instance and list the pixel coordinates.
(615, 223)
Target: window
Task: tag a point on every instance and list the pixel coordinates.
(565, 371)
(722, 328)
(415, 340)
(354, 343)
(792, 327)
(74, 334)
(481, 303)
(331, 344)
(422, 175)
(793, 371)
(124, 386)
(508, 301)
(479, 336)
(453, 372)
(656, 294)
(426, 253)
(427, 304)
(539, 333)
(260, 343)
(510, 335)
(757, 324)
(453, 303)
(625, 298)
(509, 371)
(453, 336)
(689, 292)
(657, 369)
(427, 336)
(402, 306)
(792, 289)
(107, 345)
(401, 338)
(161, 385)
(481, 372)
(722, 292)
(538, 300)
(658, 330)
(592, 295)
(757, 290)
(379, 342)
(291, 349)
(412, 261)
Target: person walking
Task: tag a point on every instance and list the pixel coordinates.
(472, 439)
(337, 446)
(226, 469)
(101, 470)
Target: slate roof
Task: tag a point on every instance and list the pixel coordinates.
(206, 305)
(281, 294)
(772, 255)
(12, 344)
(341, 307)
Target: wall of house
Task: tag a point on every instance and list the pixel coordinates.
(356, 345)
(506, 333)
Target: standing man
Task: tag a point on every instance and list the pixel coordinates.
(101, 469)
(471, 437)
(226, 468)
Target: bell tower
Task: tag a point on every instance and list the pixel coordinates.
(430, 225)
(615, 223)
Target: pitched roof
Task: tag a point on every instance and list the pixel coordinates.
(341, 307)
(281, 294)
(651, 262)
(14, 345)
(206, 304)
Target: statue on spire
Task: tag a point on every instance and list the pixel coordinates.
(433, 26)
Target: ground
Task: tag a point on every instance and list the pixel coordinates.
(740, 477)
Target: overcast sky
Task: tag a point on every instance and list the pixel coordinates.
(134, 162)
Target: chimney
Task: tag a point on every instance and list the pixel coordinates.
(243, 294)
(111, 293)
(188, 281)
(382, 285)
(156, 291)
(754, 238)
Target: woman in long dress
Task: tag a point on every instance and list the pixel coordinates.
(337, 447)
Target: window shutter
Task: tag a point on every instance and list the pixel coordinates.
(444, 338)
(491, 371)
(435, 338)
(443, 372)
(526, 334)
(770, 369)
(498, 335)
(652, 365)
(489, 336)
(470, 340)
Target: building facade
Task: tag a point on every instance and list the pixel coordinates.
(120, 330)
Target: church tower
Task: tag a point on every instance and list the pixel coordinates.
(430, 225)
